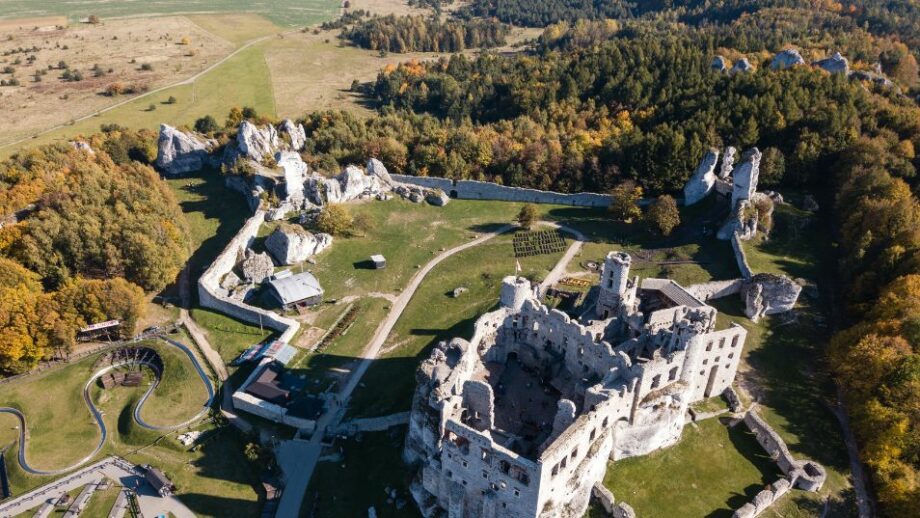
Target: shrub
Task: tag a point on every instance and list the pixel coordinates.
(663, 215)
(528, 216)
(335, 219)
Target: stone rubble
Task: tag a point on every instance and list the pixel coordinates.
(257, 267)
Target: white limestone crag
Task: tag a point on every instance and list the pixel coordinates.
(700, 184)
(180, 153)
(787, 59)
(294, 134)
(438, 198)
(257, 143)
(376, 168)
(836, 64)
(743, 65)
(257, 267)
(719, 64)
(768, 294)
(291, 244)
(350, 184)
(728, 162)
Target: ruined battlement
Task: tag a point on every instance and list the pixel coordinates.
(525, 416)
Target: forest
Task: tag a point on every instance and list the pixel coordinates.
(101, 229)
(421, 33)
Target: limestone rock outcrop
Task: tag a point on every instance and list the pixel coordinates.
(768, 294)
(351, 184)
(728, 162)
(256, 143)
(180, 153)
(437, 198)
(296, 135)
(787, 59)
(376, 168)
(745, 176)
(700, 184)
(742, 66)
(291, 244)
(719, 64)
(257, 267)
(836, 64)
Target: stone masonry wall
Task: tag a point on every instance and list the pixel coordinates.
(212, 296)
(474, 190)
(716, 289)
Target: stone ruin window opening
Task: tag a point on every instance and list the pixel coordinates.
(656, 381)
(673, 374)
(708, 346)
(504, 466)
(735, 341)
(593, 434)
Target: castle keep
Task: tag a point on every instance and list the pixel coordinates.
(521, 420)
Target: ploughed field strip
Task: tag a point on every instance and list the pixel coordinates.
(528, 244)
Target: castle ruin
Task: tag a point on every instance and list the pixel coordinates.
(521, 420)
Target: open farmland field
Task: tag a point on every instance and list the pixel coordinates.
(285, 12)
(136, 54)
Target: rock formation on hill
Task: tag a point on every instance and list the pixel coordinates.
(835, 64)
(291, 244)
(180, 153)
(768, 294)
(787, 59)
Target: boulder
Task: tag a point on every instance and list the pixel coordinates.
(82, 145)
(768, 294)
(180, 153)
(297, 136)
(230, 281)
(376, 168)
(255, 143)
(787, 59)
(719, 64)
(745, 511)
(836, 64)
(438, 198)
(291, 244)
(257, 267)
(700, 184)
(742, 66)
(623, 510)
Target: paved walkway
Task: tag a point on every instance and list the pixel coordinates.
(210, 354)
(114, 468)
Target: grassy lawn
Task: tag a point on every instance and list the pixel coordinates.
(227, 335)
(102, 501)
(180, 394)
(434, 315)
(237, 28)
(790, 248)
(284, 12)
(710, 472)
(408, 235)
(373, 464)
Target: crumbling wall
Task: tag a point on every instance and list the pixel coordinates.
(715, 289)
(804, 474)
(475, 190)
(212, 296)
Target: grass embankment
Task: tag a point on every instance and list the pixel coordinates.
(102, 501)
(227, 335)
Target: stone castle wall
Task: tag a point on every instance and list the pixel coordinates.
(212, 296)
(716, 289)
(475, 190)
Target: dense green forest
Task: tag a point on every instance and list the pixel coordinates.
(425, 34)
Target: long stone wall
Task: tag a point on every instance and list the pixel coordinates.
(475, 190)
(212, 296)
(740, 257)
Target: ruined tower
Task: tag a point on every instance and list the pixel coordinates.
(614, 284)
(515, 291)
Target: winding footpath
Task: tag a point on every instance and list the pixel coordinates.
(98, 417)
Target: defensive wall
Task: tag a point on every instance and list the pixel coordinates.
(740, 257)
(716, 289)
(212, 296)
(475, 190)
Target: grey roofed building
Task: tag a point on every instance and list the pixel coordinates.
(673, 291)
(158, 480)
(299, 289)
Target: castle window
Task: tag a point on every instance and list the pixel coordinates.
(610, 283)
(722, 342)
(593, 434)
(464, 464)
(574, 453)
(485, 474)
(716, 360)
(709, 346)
(673, 374)
(605, 422)
(735, 341)
(504, 505)
(564, 463)
(656, 381)
(504, 466)
(705, 361)
(517, 492)
(702, 373)
(464, 482)
(450, 474)
(731, 355)
(555, 470)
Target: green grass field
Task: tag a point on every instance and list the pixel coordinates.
(102, 501)
(283, 12)
(229, 336)
(710, 472)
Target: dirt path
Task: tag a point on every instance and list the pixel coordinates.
(562, 266)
